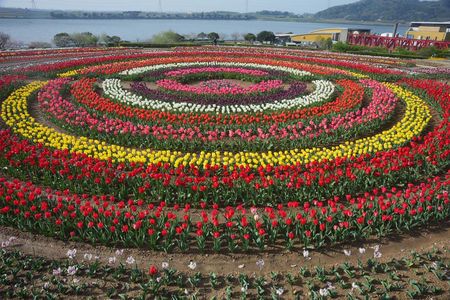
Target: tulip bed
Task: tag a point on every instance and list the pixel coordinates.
(222, 149)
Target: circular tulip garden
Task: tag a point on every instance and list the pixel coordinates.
(216, 151)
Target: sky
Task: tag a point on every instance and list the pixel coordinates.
(295, 6)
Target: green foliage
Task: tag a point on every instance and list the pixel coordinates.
(250, 37)
(213, 36)
(266, 36)
(84, 39)
(202, 35)
(63, 39)
(77, 39)
(433, 52)
(381, 51)
(324, 44)
(167, 37)
(389, 10)
(111, 40)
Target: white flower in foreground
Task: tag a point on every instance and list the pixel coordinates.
(5, 244)
(119, 252)
(112, 260)
(362, 250)
(355, 286)
(324, 292)
(376, 251)
(87, 256)
(306, 254)
(260, 264)
(279, 291)
(130, 260)
(72, 253)
(57, 272)
(347, 252)
(192, 265)
(72, 270)
(165, 265)
(377, 254)
(46, 285)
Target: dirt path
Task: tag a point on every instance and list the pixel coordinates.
(281, 260)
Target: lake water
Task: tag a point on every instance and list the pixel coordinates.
(29, 30)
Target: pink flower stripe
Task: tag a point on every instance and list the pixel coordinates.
(188, 71)
(260, 87)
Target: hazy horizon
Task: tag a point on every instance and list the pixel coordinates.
(295, 6)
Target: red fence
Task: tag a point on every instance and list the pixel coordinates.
(393, 42)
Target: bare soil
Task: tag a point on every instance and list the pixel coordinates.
(282, 261)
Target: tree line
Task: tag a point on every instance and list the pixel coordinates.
(83, 39)
(88, 39)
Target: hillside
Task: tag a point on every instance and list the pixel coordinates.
(389, 10)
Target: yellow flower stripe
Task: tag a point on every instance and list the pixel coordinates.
(15, 114)
(358, 75)
(68, 74)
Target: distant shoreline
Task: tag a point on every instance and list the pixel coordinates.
(24, 14)
(336, 21)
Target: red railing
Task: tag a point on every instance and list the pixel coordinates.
(393, 42)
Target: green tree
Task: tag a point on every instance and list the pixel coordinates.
(63, 39)
(213, 36)
(114, 40)
(167, 37)
(250, 37)
(202, 36)
(266, 36)
(84, 39)
(324, 44)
